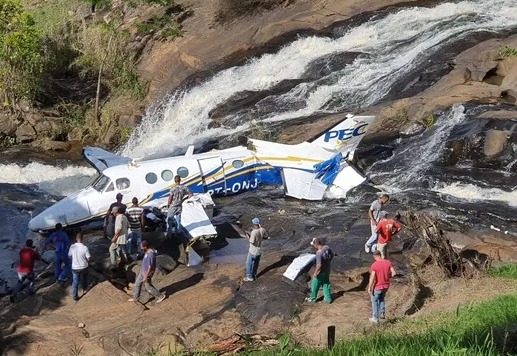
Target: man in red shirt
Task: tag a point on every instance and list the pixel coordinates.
(386, 229)
(380, 273)
(26, 268)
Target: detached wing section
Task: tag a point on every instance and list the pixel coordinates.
(297, 163)
(101, 159)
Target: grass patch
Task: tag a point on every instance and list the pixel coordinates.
(507, 52)
(163, 27)
(401, 116)
(428, 120)
(475, 330)
(504, 271)
(52, 16)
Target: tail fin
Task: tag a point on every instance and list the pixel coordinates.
(345, 136)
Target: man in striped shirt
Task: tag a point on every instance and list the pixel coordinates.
(135, 216)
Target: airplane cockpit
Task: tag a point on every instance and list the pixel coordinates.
(104, 184)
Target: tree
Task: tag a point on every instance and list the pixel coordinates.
(21, 54)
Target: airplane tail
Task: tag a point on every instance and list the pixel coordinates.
(345, 136)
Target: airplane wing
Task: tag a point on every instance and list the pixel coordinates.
(101, 159)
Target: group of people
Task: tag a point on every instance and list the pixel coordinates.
(383, 229)
(67, 259)
(124, 226)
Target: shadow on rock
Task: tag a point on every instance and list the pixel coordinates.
(184, 284)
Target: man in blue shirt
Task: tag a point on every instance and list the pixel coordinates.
(62, 265)
(145, 275)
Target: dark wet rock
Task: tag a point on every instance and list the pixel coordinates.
(509, 95)
(270, 296)
(329, 64)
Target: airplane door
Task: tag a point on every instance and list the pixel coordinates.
(212, 175)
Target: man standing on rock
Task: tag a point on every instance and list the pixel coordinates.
(61, 243)
(380, 273)
(146, 273)
(321, 275)
(109, 219)
(386, 228)
(374, 217)
(28, 255)
(135, 216)
(80, 256)
(119, 240)
(257, 234)
(178, 194)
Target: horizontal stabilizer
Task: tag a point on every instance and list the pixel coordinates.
(101, 159)
(298, 265)
(303, 185)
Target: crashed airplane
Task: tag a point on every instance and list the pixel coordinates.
(304, 170)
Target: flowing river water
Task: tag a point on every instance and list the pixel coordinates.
(352, 67)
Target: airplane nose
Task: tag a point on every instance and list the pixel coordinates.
(68, 211)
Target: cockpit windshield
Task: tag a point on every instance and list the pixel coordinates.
(100, 183)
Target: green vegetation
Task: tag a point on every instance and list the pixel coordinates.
(504, 271)
(428, 120)
(164, 27)
(21, 54)
(507, 52)
(401, 117)
(479, 329)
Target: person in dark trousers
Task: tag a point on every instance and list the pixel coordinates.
(135, 216)
(321, 275)
(61, 243)
(80, 256)
(28, 255)
(381, 272)
(109, 219)
(146, 273)
(178, 194)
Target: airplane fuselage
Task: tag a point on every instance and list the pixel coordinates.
(219, 173)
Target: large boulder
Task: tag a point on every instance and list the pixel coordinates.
(25, 133)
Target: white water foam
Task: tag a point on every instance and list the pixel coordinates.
(474, 193)
(51, 179)
(392, 46)
(409, 163)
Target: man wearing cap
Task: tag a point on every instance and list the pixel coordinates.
(119, 240)
(321, 275)
(257, 234)
(374, 215)
(109, 219)
(178, 194)
(386, 228)
(380, 273)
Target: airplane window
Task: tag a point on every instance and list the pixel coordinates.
(100, 183)
(167, 175)
(122, 183)
(110, 188)
(182, 172)
(237, 163)
(151, 178)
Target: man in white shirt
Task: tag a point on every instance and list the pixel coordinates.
(118, 242)
(80, 256)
